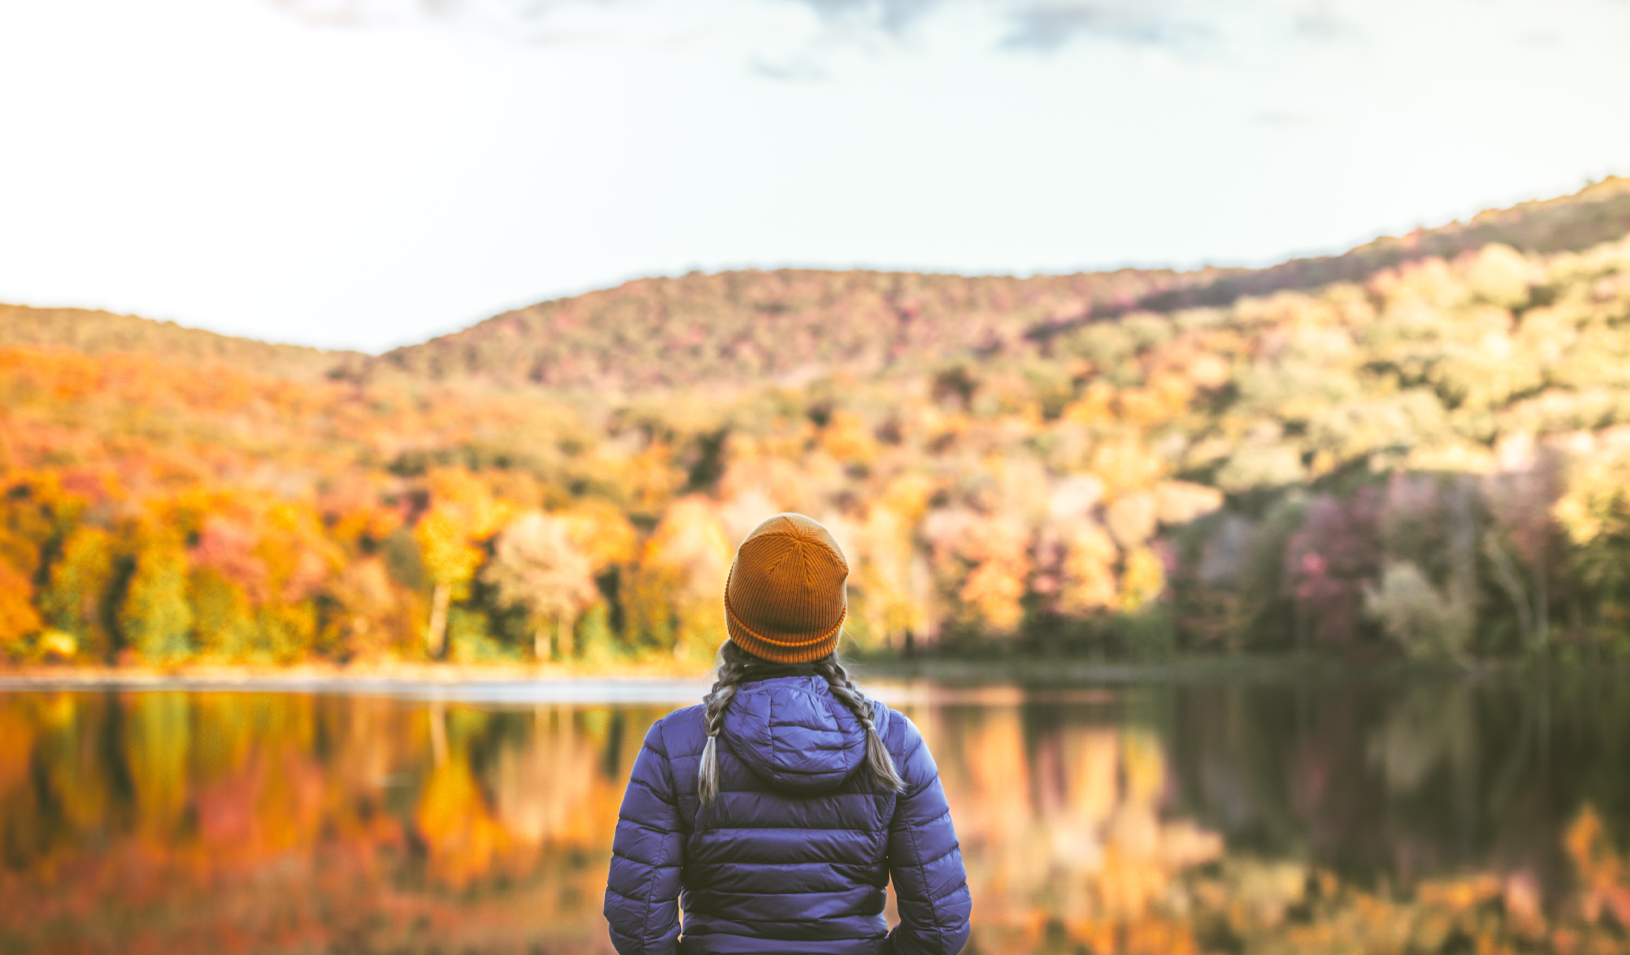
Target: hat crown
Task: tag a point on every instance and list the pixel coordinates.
(785, 600)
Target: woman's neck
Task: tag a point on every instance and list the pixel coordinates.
(769, 671)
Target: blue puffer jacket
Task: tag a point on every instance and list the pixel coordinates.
(795, 854)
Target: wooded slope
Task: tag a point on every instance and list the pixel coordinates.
(95, 332)
(731, 328)
(1432, 459)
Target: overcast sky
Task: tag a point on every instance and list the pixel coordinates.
(366, 173)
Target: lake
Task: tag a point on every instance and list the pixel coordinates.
(1275, 815)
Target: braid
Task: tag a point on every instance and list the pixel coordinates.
(877, 755)
(733, 663)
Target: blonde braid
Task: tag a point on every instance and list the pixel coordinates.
(733, 663)
(877, 755)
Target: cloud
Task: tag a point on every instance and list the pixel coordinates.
(1034, 26)
(796, 70)
(891, 16)
(1321, 24)
(521, 15)
(1048, 26)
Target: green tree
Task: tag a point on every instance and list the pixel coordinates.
(33, 512)
(223, 620)
(155, 615)
(76, 598)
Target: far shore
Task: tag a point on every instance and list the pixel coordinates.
(676, 681)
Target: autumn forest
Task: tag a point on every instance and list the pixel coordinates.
(1417, 450)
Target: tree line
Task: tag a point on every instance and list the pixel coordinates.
(1430, 461)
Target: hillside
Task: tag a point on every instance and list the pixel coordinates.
(97, 332)
(730, 329)
(1420, 448)
(736, 327)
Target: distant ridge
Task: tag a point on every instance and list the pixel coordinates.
(752, 325)
(744, 327)
(1598, 213)
(97, 332)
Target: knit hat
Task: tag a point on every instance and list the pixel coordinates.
(784, 600)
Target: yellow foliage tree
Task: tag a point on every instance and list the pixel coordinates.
(1126, 465)
(848, 438)
(602, 532)
(1142, 580)
(677, 597)
(885, 578)
(300, 559)
(1088, 579)
(463, 512)
(991, 593)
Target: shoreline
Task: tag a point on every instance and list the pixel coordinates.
(672, 682)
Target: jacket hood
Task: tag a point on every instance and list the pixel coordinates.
(794, 734)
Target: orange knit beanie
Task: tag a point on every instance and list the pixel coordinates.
(784, 601)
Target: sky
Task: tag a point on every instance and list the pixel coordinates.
(370, 173)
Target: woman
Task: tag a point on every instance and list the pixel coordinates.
(776, 812)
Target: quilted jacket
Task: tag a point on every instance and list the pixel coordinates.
(795, 855)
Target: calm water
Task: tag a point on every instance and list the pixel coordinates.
(1267, 817)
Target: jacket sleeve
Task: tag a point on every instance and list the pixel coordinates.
(642, 890)
(925, 861)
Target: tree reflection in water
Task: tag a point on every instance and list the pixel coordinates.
(1364, 817)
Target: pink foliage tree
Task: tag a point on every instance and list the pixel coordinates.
(1327, 563)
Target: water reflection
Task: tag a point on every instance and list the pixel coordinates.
(1164, 818)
